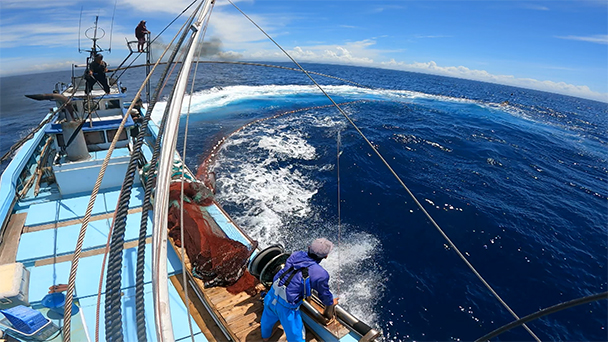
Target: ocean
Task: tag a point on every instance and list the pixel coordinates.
(520, 187)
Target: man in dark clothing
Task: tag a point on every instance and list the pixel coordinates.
(97, 72)
(140, 34)
(292, 285)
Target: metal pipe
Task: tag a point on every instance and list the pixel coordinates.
(358, 326)
(162, 315)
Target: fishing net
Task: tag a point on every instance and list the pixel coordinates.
(215, 258)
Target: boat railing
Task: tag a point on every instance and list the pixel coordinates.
(9, 181)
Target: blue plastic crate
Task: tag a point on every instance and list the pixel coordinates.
(45, 333)
(24, 319)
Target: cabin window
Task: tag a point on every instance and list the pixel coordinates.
(112, 132)
(93, 138)
(60, 140)
(112, 104)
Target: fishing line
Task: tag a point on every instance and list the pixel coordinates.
(394, 174)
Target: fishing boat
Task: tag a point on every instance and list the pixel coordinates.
(98, 209)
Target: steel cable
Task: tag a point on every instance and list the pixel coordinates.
(394, 174)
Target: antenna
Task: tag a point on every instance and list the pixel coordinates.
(95, 35)
(112, 26)
(79, 21)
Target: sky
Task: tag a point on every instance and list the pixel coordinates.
(555, 46)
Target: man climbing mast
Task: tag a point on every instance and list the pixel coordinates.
(292, 285)
(140, 34)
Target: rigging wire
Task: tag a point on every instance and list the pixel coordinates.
(112, 26)
(150, 43)
(394, 174)
(172, 21)
(183, 179)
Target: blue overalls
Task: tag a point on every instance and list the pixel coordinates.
(277, 308)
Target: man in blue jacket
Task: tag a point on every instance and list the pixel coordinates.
(291, 285)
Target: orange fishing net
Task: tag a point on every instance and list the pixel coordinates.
(215, 258)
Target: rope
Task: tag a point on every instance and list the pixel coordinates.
(87, 217)
(395, 175)
(543, 312)
(183, 166)
(113, 313)
(103, 266)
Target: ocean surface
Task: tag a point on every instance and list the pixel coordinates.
(519, 187)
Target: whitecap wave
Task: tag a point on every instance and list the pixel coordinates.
(206, 101)
(267, 171)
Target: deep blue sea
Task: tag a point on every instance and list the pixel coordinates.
(520, 188)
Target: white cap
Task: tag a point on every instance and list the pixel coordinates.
(320, 247)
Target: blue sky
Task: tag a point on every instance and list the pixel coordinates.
(556, 46)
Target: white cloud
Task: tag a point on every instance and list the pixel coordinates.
(482, 75)
(32, 65)
(173, 6)
(353, 53)
(598, 38)
(22, 4)
(57, 30)
(535, 7)
(431, 36)
(233, 29)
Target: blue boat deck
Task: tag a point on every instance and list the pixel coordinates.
(47, 245)
(44, 226)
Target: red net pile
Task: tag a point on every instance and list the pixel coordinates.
(215, 258)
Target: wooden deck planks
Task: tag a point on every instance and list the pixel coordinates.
(10, 238)
(240, 313)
